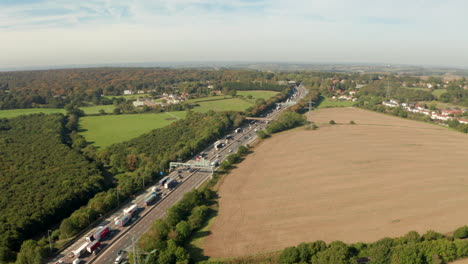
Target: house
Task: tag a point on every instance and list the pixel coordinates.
(390, 104)
(426, 112)
(437, 116)
(448, 111)
(141, 92)
(138, 103)
(210, 86)
(420, 107)
(394, 101)
(147, 102)
(344, 97)
(352, 92)
(128, 92)
(463, 120)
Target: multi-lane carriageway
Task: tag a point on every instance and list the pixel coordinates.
(122, 238)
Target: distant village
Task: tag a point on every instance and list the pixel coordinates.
(439, 114)
(163, 100)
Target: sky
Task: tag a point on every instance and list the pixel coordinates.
(61, 32)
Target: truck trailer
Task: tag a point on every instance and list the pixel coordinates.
(92, 246)
(81, 250)
(121, 221)
(170, 184)
(102, 232)
(150, 198)
(130, 210)
(163, 180)
(89, 238)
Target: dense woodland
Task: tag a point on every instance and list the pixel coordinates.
(42, 180)
(57, 88)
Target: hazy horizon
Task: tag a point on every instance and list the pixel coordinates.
(47, 33)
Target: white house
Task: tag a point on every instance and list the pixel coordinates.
(138, 103)
(463, 120)
(128, 92)
(390, 104)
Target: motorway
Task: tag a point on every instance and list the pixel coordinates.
(122, 238)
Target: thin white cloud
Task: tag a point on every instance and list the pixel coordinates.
(112, 31)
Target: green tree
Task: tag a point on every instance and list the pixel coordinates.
(432, 235)
(289, 255)
(407, 254)
(30, 253)
(337, 253)
(461, 232)
(183, 230)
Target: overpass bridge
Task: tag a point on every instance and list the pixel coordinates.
(264, 119)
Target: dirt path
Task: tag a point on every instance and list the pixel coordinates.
(384, 176)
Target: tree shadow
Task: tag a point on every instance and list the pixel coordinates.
(197, 253)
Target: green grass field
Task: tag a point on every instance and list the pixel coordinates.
(438, 92)
(16, 112)
(257, 94)
(89, 110)
(328, 102)
(441, 105)
(227, 103)
(109, 129)
(417, 88)
(219, 103)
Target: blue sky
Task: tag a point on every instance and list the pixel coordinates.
(59, 32)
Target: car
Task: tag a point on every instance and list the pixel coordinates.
(179, 171)
(78, 261)
(96, 251)
(230, 151)
(59, 261)
(119, 259)
(218, 156)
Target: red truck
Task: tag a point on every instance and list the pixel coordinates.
(102, 232)
(92, 246)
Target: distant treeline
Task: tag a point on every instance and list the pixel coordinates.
(57, 88)
(42, 180)
(244, 86)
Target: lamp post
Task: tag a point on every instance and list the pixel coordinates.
(50, 240)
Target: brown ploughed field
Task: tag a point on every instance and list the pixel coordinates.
(461, 261)
(382, 177)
